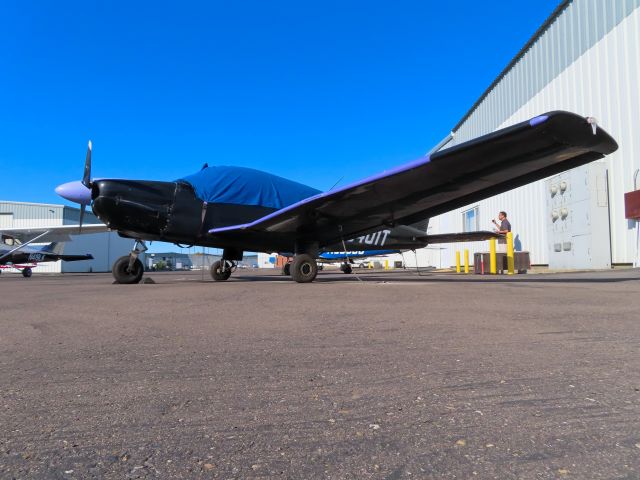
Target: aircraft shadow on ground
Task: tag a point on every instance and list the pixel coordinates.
(413, 277)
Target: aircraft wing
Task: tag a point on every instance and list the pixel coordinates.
(448, 179)
(57, 233)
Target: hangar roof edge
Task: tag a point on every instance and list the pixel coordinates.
(523, 51)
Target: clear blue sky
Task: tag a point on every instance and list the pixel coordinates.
(309, 91)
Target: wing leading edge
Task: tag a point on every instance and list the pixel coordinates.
(451, 178)
(55, 233)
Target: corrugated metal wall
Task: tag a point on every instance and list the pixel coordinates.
(35, 215)
(588, 62)
(581, 25)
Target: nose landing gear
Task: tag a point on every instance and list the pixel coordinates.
(129, 269)
(222, 270)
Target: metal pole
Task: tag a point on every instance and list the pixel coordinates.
(493, 264)
(636, 263)
(510, 258)
(457, 261)
(466, 260)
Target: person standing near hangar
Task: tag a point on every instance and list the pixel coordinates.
(503, 228)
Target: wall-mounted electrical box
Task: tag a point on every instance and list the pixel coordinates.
(578, 218)
(632, 205)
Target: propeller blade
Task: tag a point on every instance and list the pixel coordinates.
(82, 209)
(86, 179)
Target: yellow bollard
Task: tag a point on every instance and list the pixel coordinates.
(457, 261)
(510, 256)
(386, 264)
(466, 260)
(492, 256)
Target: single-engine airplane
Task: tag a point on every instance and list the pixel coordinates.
(240, 209)
(23, 257)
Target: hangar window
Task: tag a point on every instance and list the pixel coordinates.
(471, 220)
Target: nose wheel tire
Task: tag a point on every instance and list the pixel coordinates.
(218, 274)
(123, 274)
(304, 268)
(27, 272)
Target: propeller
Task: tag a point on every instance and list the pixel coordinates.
(79, 192)
(86, 181)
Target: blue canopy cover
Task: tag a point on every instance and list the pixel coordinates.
(246, 186)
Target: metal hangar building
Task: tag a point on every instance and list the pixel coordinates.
(585, 59)
(105, 247)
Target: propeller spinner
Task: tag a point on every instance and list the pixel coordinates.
(79, 191)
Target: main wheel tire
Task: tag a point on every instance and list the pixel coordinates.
(27, 272)
(217, 274)
(304, 268)
(346, 269)
(286, 269)
(122, 274)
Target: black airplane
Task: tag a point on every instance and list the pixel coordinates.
(240, 209)
(13, 254)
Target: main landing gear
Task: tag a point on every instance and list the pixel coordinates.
(286, 269)
(27, 272)
(222, 269)
(304, 268)
(346, 268)
(129, 269)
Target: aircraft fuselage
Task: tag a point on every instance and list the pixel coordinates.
(171, 212)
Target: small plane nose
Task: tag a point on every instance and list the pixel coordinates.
(75, 192)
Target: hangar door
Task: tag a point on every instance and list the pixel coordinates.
(6, 220)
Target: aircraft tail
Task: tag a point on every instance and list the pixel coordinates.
(422, 225)
(54, 247)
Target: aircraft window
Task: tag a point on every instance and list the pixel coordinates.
(10, 241)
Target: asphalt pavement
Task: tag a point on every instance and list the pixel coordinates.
(385, 375)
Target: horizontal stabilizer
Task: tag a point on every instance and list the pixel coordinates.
(461, 237)
(75, 258)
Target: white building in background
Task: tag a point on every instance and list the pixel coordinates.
(105, 247)
(585, 59)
